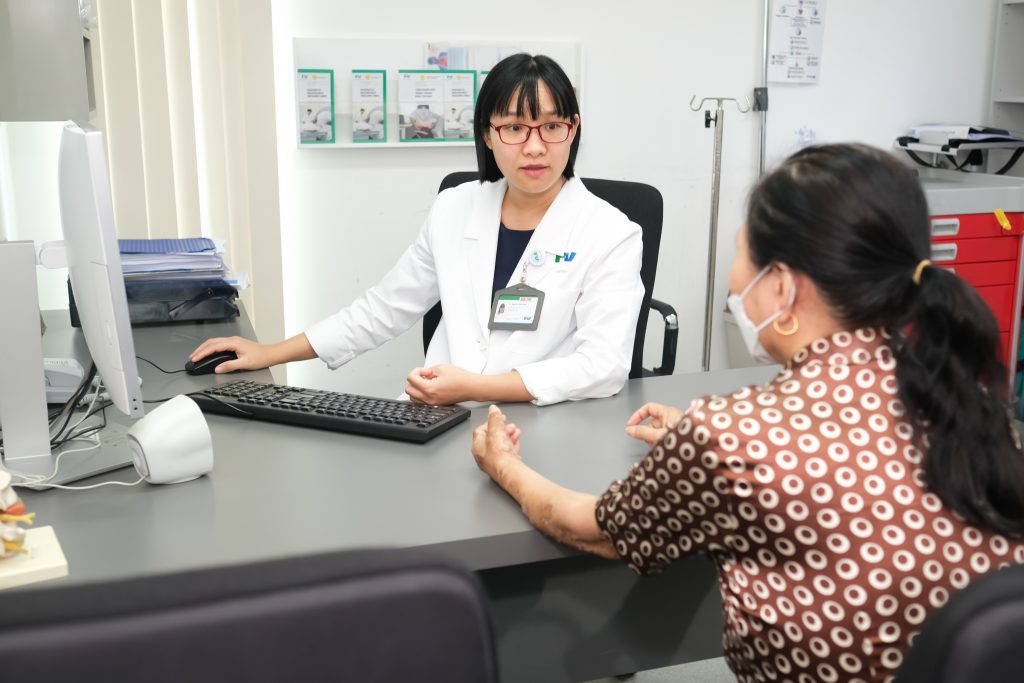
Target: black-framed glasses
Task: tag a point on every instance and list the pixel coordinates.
(518, 133)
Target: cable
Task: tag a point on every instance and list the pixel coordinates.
(73, 401)
(67, 409)
(66, 434)
(37, 479)
(204, 395)
(102, 410)
(92, 486)
(1013, 160)
(166, 372)
(88, 413)
(62, 436)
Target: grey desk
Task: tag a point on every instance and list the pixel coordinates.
(285, 491)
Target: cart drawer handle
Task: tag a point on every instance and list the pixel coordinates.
(944, 227)
(944, 252)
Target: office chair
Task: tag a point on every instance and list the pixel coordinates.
(977, 636)
(366, 615)
(643, 205)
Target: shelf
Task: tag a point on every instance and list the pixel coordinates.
(344, 132)
(1010, 100)
(387, 145)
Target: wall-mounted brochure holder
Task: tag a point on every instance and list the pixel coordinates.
(392, 93)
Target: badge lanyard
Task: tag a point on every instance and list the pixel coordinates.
(518, 307)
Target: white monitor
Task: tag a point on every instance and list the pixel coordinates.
(94, 263)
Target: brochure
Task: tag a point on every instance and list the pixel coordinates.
(369, 106)
(420, 105)
(459, 100)
(315, 106)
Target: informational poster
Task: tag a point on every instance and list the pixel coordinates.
(369, 105)
(420, 105)
(315, 98)
(480, 80)
(459, 99)
(796, 38)
(440, 55)
(443, 56)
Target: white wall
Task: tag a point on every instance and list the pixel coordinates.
(348, 214)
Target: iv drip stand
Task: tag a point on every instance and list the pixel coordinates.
(716, 172)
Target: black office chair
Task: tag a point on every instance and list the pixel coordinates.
(643, 205)
(977, 636)
(349, 616)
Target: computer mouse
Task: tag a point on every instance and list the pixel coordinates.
(207, 364)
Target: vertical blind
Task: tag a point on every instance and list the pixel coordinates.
(185, 97)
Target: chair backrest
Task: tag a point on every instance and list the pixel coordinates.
(977, 636)
(642, 204)
(350, 616)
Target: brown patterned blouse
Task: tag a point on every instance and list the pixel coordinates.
(808, 495)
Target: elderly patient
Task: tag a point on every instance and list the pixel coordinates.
(848, 498)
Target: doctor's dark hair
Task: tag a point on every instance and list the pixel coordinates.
(520, 76)
(855, 221)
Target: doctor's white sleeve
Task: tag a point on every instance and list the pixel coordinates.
(384, 311)
(606, 316)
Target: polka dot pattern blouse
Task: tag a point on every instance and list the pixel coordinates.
(808, 495)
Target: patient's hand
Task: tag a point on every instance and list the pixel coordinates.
(662, 418)
(494, 441)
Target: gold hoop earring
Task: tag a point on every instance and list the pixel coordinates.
(791, 331)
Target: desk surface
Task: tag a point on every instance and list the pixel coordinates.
(283, 491)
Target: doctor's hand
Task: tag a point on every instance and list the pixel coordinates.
(441, 385)
(494, 443)
(251, 356)
(662, 418)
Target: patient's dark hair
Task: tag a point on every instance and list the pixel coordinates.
(855, 221)
(520, 76)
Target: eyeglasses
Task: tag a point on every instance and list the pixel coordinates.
(518, 133)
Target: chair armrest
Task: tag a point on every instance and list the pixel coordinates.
(668, 313)
(671, 340)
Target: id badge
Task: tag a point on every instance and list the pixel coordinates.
(516, 308)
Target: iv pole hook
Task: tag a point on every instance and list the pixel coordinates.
(718, 103)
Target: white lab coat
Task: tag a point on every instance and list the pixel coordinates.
(583, 345)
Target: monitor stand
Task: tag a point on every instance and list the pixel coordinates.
(112, 454)
(23, 389)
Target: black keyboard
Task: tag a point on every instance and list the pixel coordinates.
(387, 418)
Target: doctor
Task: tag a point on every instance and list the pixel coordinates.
(528, 235)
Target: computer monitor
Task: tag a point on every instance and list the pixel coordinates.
(94, 263)
(91, 254)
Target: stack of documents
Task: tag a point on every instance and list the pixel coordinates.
(193, 258)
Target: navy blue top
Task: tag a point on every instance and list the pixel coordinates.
(507, 257)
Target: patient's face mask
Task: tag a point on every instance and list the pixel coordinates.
(747, 328)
